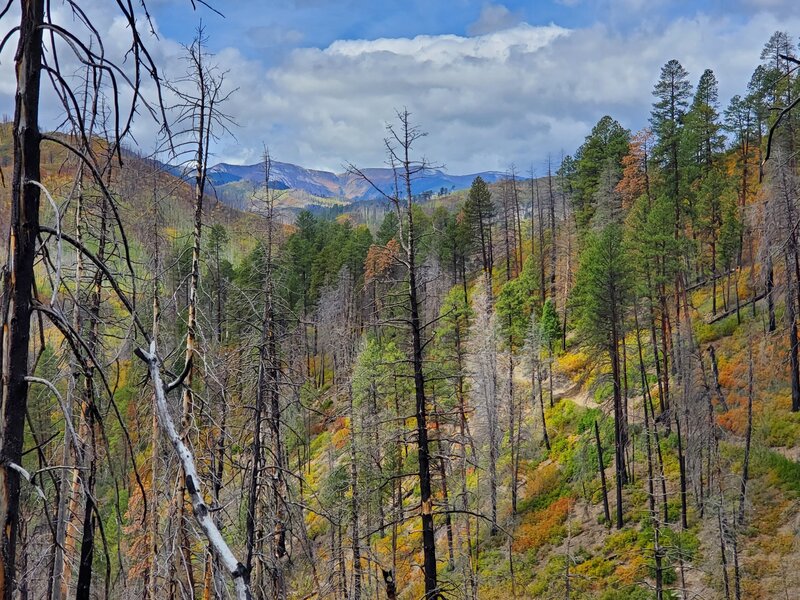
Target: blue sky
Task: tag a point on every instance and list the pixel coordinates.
(542, 99)
(493, 83)
(267, 30)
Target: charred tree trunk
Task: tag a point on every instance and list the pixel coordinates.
(19, 279)
(682, 469)
(770, 296)
(715, 373)
(536, 374)
(354, 502)
(391, 586)
(601, 467)
(428, 539)
(89, 523)
(619, 439)
(448, 518)
(747, 439)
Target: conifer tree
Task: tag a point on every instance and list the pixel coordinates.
(672, 93)
(480, 211)
(601, 297)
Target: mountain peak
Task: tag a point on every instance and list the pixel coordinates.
(342, 186)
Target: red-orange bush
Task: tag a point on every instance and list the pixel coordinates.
(540, 527)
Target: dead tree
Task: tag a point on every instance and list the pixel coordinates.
(198, 121)
(18, 279)
(399, 145)
(236, 569)
(602, 469)
(267, 407)
(40, 38)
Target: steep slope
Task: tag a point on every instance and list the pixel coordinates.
(133, 182)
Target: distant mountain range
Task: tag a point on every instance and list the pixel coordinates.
(229, 181)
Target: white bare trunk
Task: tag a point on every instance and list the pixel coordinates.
(235, 568)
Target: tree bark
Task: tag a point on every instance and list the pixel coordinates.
(354, 501)
(18, 279)
(236, 569)
(536, 373)
(606, 511)
(748, 438)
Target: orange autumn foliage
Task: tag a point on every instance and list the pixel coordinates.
(634, 169)
(380, 259)
(341, 433)
(632, 570)
(541, 527)
(541, 480)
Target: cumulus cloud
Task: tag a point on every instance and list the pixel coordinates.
(494, 17)
(508, 96)
(513, 95)
(269, 36)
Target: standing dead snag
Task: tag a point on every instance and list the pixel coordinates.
(36, 53)
(267, 513)
(399, 144)
(18, 279)
(199, 93)
(236, 569)
(602, 468)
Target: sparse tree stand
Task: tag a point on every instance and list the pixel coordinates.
(480, 211)
(199, 120)
(267, 402)
(236, 569)
(18, 279)
(399, 145)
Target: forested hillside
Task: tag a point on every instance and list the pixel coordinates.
(579, 382)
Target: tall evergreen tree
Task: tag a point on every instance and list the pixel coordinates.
(672, 92)
(480, 211)
(701, 139)
(601, 297)
(598, 161)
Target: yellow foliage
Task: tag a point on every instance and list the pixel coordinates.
(781, 544)
(633, 569)
(340, 438)
(542, 480)
(573, 364)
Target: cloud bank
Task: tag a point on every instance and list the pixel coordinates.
(509, 96)
(515, 93)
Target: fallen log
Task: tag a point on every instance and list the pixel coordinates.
(732, 311)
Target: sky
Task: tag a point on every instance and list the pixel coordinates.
(493, 84)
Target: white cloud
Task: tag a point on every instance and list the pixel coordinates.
(509, 96)
(494, 17)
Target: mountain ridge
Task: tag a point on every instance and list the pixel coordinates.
(344, 186)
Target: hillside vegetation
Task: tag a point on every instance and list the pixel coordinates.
(581, 386)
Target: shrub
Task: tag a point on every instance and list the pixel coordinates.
(542, 527)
